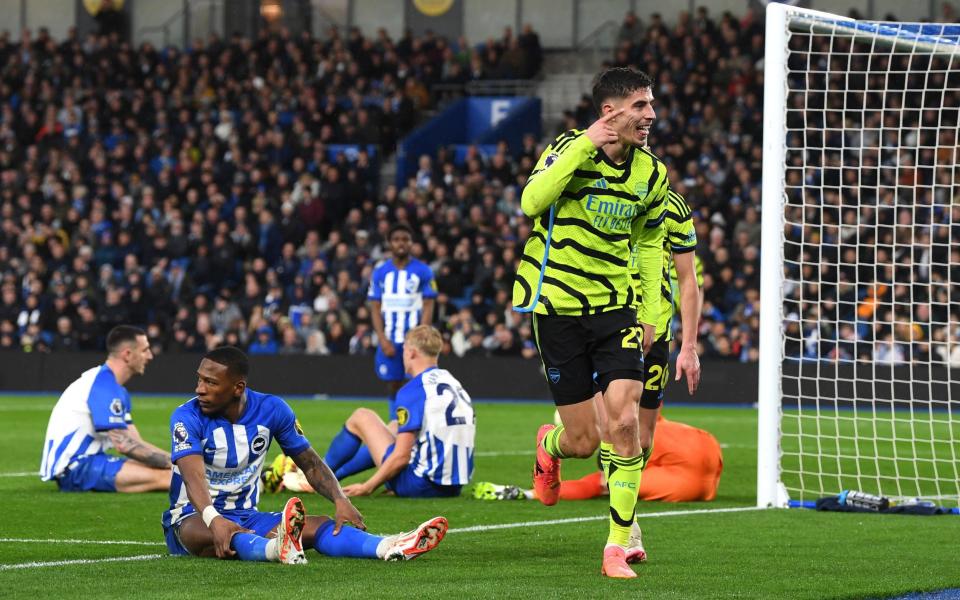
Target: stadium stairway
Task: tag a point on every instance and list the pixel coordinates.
(567, 75)
(388, 168)
(560, 92)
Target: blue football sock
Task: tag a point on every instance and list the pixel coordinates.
(249, 546)
(342, 449)
(361, 461)
(350, 542)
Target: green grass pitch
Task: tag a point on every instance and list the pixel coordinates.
(743, 554)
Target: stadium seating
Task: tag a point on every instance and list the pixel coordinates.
(231, 193)
(227, 193)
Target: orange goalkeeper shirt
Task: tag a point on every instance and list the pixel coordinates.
(685, 466)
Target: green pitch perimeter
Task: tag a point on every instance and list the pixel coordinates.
(495, 549)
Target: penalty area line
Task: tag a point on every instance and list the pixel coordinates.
(80, 561)
(653, 515)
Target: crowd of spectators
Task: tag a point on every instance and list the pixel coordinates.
(872, 215)
(202, 192)
(195, 192)
(709, 131)
(872, 152)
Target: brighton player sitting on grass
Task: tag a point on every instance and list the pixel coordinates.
(432, 453)
(220, 441)
(94, 414)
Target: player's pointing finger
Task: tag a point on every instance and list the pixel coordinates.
(612, 114)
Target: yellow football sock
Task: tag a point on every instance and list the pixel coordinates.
(623, 480)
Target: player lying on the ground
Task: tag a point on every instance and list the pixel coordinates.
(432, 453)
(220, 441)
(93, 415)
(685, 467)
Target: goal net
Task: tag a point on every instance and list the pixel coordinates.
(860, 321)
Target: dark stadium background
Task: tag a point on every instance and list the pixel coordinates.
(226, 174)
(225, 171)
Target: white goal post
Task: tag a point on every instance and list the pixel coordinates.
(859, 383)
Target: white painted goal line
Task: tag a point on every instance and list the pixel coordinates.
(666, 513)
(81, 542)
(79, 561)
(474, 529)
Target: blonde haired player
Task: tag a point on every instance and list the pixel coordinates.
(431, 455)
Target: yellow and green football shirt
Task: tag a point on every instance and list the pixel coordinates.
(675, 284)
(681, 238)
(591, 216)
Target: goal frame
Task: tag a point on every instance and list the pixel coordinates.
(771, 492)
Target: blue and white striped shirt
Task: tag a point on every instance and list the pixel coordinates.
(401, 293)
(87, 409)
(233, 453)
(435, 404)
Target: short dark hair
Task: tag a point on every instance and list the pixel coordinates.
(399, 227)
(234, 359)
(122, 334)
(618, 82)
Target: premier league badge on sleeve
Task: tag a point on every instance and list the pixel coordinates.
(180, 437)
(116, 411)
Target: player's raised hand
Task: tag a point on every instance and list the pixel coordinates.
(346, 512)
(689, 363)
(223, 530)
(602, 131)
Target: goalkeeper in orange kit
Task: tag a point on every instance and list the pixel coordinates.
(685, 467)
